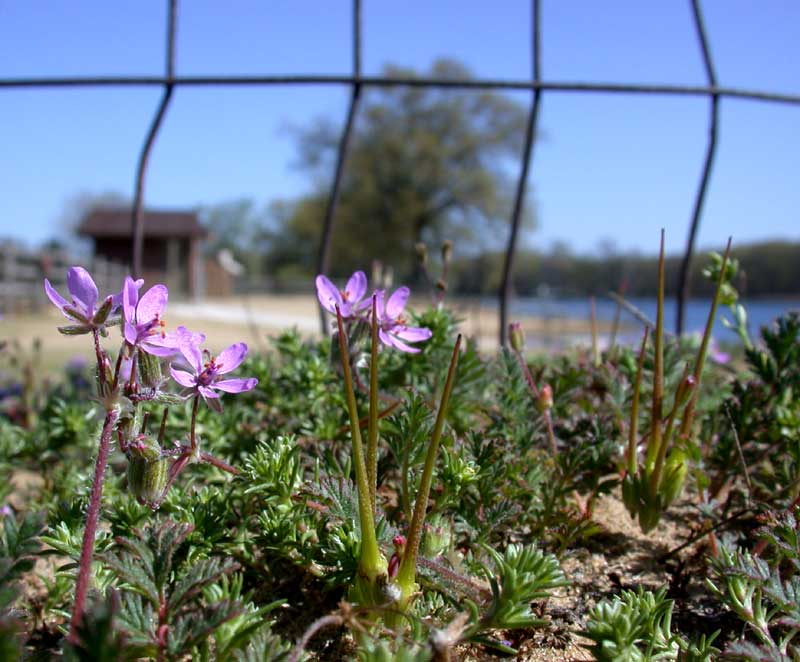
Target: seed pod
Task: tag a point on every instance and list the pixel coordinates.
(147, 470)
(150, 375)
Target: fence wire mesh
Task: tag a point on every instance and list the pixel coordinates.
(356, 81)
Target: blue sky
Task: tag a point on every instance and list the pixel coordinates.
(607, 166)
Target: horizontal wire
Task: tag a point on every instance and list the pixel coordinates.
(384, 81)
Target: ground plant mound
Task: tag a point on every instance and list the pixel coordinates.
(391, 493)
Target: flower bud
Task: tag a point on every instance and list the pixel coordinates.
(545, 400)
(447, 251)
(147, 470)
(437, 537)
(150, 375)
(104, 375)
(422, 252)
(516, 336)
(103, 312)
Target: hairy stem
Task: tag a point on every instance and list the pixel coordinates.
(688, 413)
(372, 431)
(370, 554)
(406, 575)
(87, 548)
(548, 419)
(634, 426)
(192, 433)
(658, 368)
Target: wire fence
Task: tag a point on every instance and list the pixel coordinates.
(356, 81)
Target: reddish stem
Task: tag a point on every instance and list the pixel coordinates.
(87, 548)
(192, 436)
(219, 464)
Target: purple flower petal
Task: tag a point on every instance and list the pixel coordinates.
(55, 297)
(397, 302)
(183, 378)
(193, 356)
(207, 392)
(82, 287)
(130, 333)
(125, 368)
(152, 303)
(154, 347)
(130, 297)
(356, 287)
(412, 333)
(231, 357)
(380, 307)
(118, 299)
(328, 294)
(399, 344)
(183, 336)
(385, 338)
(236, 385)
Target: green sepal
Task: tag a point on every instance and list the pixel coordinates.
(168, 399)
(150, 374)
(74, 329)
(103, 312)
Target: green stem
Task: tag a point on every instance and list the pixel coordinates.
(658, 368)
(634, 426)
(372, 430)
(406, 575)
(406, 496)
(688, 412)
(370, 562)
(595, 344)
(680, 397)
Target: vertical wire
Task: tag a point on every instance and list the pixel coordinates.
(527, 155)
(686, 262)
(137, 215)
(323, 258)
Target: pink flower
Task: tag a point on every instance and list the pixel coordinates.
(349, 299)
(206, 379)
(84, 308)
(143, 319)
(392, 327)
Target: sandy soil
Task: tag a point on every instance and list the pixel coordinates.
(254, 319)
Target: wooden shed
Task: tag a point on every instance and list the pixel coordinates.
(173, 252)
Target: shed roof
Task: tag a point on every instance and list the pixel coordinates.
(108, 222)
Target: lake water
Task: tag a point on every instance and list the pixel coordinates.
(759, 312)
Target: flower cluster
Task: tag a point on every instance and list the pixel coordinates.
(138, 375)
(353, 305)
(144, 330)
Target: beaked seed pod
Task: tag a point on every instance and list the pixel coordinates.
(147, 470)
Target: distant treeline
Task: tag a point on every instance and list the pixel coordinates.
(765, 269)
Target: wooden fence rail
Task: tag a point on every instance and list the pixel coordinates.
(22, 273)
